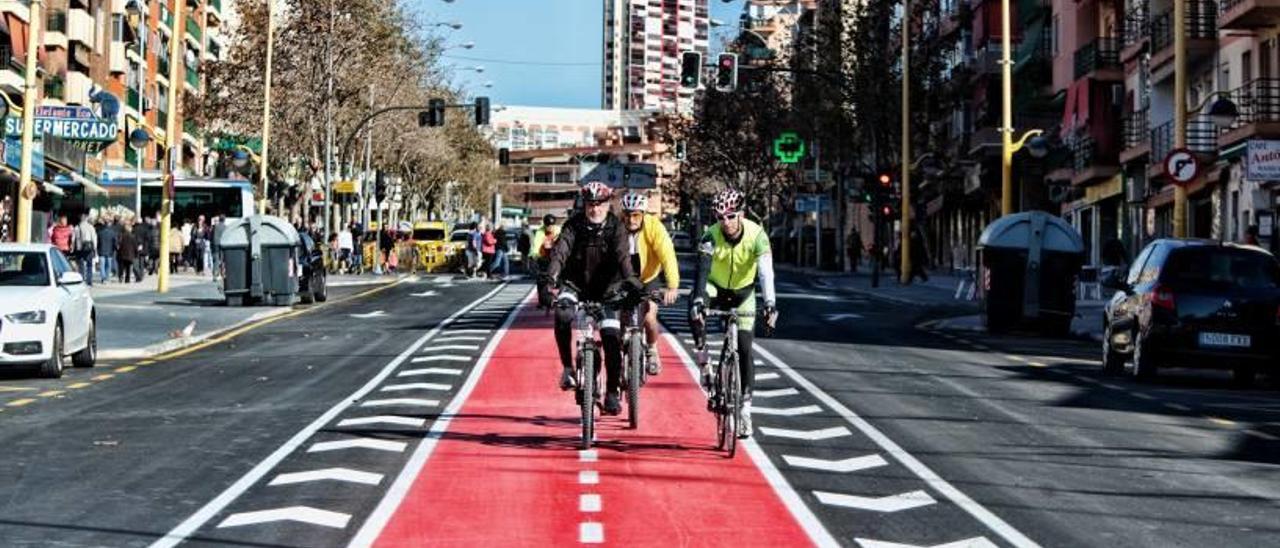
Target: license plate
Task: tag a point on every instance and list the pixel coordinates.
(1224, 340)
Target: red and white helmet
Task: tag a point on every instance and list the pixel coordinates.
(596, 191)
(728, 200)
(635, 201)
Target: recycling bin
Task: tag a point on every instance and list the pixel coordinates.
(260, 261)
(1028, 268)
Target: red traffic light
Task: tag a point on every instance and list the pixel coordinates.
(888, 211)
(886, 180)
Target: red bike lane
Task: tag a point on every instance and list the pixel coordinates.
(509, 471)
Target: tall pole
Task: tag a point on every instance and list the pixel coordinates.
(140, 153)
(905, 235)
(328, 124)
(170, 148)
(266, 117)
(1006, 113)
(1179, 110)
(26, 192)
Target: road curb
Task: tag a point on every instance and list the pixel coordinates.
(160, 350)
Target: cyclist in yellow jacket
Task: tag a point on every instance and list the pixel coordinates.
(652, 252)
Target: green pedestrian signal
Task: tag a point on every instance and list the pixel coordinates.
(788, 147)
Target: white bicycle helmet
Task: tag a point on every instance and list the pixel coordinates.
(635, 201)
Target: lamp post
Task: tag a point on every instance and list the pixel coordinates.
(266, 117)
(171, 162)
(905, 235)
(137, 19)
(26, 188)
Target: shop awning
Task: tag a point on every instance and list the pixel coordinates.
(72, 179)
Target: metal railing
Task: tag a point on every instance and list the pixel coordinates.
(1137, 23)
(1202, 138)
(1084, 150)
(1137, 129)
(1257, 101)
(1202, 24)
(1096, 55)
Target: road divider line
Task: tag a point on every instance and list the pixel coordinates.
(766, 376)
(300, 514)
(211, 509)
(590, 532)
(79, 385)
(103, 377)
(21, 402)
(410, 402)
(125, 369)
(588, 477)
(381, 514)
(844, 466)
(774, 393)
(430, 371)
(451, 347)
(589, 503)
(979, 512)
(461, 338)
(359, 443)
(786, 411)
(885, 505)
(445, 358)
(451, 331)
(328, 474)
(806, 435)
(417, 386)
(383, 419)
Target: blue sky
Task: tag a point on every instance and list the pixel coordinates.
(562, 36)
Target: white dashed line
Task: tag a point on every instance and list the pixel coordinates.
(362, 443)
(885, 504)
(328, 474)
(766, 376)
(416, 386)
(451, 347)
(445, 358)
(589, 503)
(300, 514)
(409, 402)
(591, 533)
(383, 419)
(430, 371)
(588, 477)
(588, 455)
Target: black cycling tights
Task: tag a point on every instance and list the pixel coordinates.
(746, 358)
(610, 337)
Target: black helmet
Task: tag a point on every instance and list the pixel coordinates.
(548, 220)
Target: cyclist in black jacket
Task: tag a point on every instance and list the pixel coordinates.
(593, 254)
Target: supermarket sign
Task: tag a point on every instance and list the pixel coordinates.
(72, 123)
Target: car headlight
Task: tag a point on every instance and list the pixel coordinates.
(33, 316)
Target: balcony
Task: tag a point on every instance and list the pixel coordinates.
(80, 27)
(194, 34)
(119, 57)
(1202, 37)
(78, 86)
(193, 79)
(986, 60)
(189, 127)
(1259, 104)
(1099, 60)
(1202, 139)
(1248, 14)
(54, 87)
(12, 70)
(55, 35)
(1137, 30)
(1137, 136)
(162, 68)
(17, 8)
(1091, 160)
(166, 18)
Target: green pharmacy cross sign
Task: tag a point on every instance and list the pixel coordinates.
(788, 147)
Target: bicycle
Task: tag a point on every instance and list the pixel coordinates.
(635, 371)
(724, 396)
(586, 316)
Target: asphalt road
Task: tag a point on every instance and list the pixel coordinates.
(872, 432)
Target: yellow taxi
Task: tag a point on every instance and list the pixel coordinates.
(430, 239)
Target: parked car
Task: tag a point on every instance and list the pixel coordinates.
(312, 282)
(46, 310)
(434, 252)
(1195, 303)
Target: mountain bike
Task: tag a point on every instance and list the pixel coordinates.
(635, 370)
(725, 392)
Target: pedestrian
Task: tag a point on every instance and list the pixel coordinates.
(201, 235)
(1251, 236)
(108, 238)
(175, 248)
(126, 254)
(86, 248)
(6, 220)
(187, 250)
(474, 240)
(524, 244)
(141, 233)
(346, 249)
(500, 254)
(357, 250)
(60, 235)
(854, 245)
(488, 246)
(154, 252)
(215, 247)
(919, 256)
(386, 245)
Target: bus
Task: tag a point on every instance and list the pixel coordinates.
(195, 197)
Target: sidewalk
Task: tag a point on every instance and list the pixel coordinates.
(135, 322)
(940, 290)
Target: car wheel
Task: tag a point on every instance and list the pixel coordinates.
(89, 354)
(321, 289)
(1244, 376)
(306, 296)
(1144, 366)
(53, 367)
(1112, 361)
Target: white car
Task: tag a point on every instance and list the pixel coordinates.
(46, 310)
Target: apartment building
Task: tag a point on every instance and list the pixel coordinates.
(643, 40)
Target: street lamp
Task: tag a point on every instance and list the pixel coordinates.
(137, 18)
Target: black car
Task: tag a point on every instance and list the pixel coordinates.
(311, 281)
(1195, 304)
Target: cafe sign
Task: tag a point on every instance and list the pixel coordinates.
(1262, 160)
(72, 123)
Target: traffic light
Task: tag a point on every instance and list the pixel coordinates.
(690, 70)
(380, 186)
(727, 72)
(434, 115)
(886, 181)
(482, 111)
(504, 156)
(682, 150)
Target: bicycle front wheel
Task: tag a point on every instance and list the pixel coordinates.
(635, 368)
(732, 394)
(586, 383)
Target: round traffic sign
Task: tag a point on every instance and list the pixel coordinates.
(1181, 166)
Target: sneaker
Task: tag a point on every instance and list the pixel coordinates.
(567, 382)
(655, 364)
(612, 404)
(744, 425)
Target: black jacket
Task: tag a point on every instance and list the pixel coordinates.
(595, 259)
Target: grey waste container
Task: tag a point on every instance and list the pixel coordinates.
(1028, 264)
(260, 261)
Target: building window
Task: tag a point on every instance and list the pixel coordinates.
(117, 28)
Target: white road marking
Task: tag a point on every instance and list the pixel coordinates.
(254, 475)
(975, 542)
(417, 386)
(367, 315)
(591, 533)
(588, 477)
(786, 411)
(444, 358)
(992, 521)
(766, 376)
(411, 402)
(842, 316)
(1142, 396)
(300, 514)
(430, 371)
(462, 338)
(588, 455)
(589, 503)
(807, 435)
(378, 519)
(1177, 406)
(451, 347)
(844, 466)
(885, 504)
(329, 474)
(383, 419)
(451, 331)
(359, 443)
(775, 393)
(424, 294)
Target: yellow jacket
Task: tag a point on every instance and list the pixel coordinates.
(657, 252)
